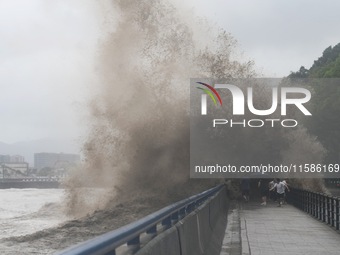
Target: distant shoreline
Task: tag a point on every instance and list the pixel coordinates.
(29, 183)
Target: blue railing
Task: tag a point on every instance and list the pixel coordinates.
(151, 225)
(321, 206)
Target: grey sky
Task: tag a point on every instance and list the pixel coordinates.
(48, 50)
(280, 35)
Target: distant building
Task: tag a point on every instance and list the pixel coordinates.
(17, 159)
(14, 169)
(55, 160)
(5, 158)
(12, 159)
(12, 166)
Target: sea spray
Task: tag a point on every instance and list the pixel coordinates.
(139, 140)
(138, 145)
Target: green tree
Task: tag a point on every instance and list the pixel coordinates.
(325, 105)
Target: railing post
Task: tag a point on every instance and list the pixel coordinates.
(134, 241)
(323, 208)
(293, 196)
(182, 213)
(328, 210)
(134, 244)
(190, 208)
(167, 222)
(337, 216)
(304, 197)
(305, 201)
(333, 211)
(296, 198)
(309, 202)
(299, 199)
(314, 205)
(152, 231)
(319, 207)
(320, 204)
(174, 218)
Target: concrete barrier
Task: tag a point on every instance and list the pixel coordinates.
(199, 233)
(189, 235)
(218, 222)
(166, 243)
(204, 229)
(214, 210)
(222, 195)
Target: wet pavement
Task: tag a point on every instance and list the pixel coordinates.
(270, 230)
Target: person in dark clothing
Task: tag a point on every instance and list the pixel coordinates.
(245, 187)
(264, 188)
(272, 193)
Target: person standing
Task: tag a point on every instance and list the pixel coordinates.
(245, 187)
(280, 187)
(285, 195)
(263, 186)
(272, 193)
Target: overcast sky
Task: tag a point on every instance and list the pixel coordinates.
(48, 51)
(280, 35)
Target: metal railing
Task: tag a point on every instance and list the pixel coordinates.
(132, 236)
(32, 179)
(321, 206)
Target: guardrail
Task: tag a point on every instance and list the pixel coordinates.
(321, 206)
(32, 179)
(135, 235)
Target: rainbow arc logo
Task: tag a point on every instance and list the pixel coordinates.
(211, 92)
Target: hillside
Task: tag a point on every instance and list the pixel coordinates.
(325, 103)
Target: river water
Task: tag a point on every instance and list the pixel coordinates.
(25, 211)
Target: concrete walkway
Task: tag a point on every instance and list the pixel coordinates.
(272, 230)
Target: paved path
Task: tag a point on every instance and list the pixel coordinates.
(273, 230)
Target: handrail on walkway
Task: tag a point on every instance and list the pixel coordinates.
(321, 206)
(131, 233)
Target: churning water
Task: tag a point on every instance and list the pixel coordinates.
(25, 211)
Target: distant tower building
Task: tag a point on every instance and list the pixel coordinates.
(54, 160)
